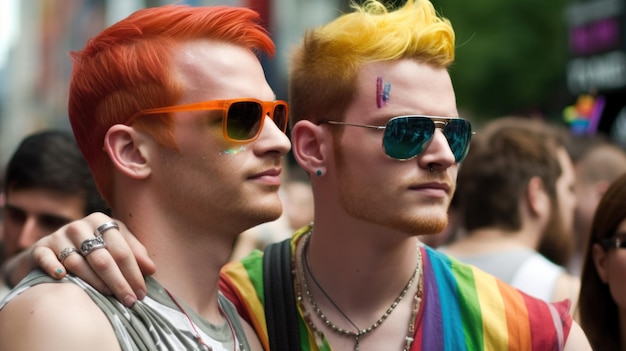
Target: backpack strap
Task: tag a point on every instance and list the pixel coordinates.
(280, 303)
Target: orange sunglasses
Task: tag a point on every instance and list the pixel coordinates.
(242, 119)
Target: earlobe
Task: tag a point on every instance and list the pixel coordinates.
(124, 145)
(309, 148)
(599, 260)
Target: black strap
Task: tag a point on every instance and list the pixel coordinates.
(280, 303)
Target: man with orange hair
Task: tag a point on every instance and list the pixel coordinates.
(359, 278)
(180, 128)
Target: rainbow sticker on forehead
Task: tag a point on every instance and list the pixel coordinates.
(233, 151)
(382, 92)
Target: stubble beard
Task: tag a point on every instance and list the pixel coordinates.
(415, 223)
(373, 209)
(271, 212)
(556, 244)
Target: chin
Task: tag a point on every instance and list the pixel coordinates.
(429, 227)
(424, 225)
(268, 212)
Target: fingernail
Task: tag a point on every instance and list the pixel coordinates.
(129, 301)
(140, 294)
(59, 271)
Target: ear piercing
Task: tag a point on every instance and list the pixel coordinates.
(318, 173)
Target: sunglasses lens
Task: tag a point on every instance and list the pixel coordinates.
(406, 137)
(458, 132)
(280, 116)
(244, 119)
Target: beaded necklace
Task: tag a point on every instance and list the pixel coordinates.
(359, 332)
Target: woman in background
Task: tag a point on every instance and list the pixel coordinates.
(602, 302)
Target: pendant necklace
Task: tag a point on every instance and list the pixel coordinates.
(359, 333)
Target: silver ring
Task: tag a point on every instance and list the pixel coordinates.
(92, 244)
(66, 252)
(104, 227)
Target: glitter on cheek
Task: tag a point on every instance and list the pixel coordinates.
(233, 151)
(382, 92)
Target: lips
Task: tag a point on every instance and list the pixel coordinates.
(433, 188)
(270, 176)
(432, 185)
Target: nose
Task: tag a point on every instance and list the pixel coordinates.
(272, 139)
(438, 154)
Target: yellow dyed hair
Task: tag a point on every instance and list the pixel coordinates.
(324, 68)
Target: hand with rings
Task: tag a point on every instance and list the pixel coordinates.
(89, 245)
(66, 252)
(121, 266)
(106, 226)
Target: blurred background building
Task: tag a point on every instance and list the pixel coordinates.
(562, 60)
(596, 68)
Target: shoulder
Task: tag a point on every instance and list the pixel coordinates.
(577, 340)
(242, 281)
(243, 269)
(477, 298)
(55, 317)
(567, 287)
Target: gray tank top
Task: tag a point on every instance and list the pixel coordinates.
(154, 323)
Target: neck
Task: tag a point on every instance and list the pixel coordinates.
(188, 256)
(373, 267)
(350, 311)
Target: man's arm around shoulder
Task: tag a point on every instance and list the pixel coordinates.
(55, 317)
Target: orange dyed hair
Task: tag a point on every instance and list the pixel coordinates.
(128, 67)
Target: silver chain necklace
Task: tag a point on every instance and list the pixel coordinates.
(359, 332)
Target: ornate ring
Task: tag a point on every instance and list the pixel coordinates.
(92, 244)
(104, 227)
(66, 252)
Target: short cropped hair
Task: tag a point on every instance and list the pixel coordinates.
(502, 160)
(324, 69)
(51, 160)
(128, 67)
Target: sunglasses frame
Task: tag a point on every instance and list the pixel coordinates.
(268, 108)
(613, 243)
(438, 121)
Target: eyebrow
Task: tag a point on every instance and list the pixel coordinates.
(42, 215)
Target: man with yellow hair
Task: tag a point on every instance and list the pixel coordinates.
(359, 278)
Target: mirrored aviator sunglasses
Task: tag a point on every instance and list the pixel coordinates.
(242, 119)
(407, 137)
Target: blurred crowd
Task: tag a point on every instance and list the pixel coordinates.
(537, 206)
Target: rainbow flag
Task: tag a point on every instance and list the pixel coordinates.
(463, 308)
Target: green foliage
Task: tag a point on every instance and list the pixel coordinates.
(510, 56)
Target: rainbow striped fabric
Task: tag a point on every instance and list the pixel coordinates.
(463, 308)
